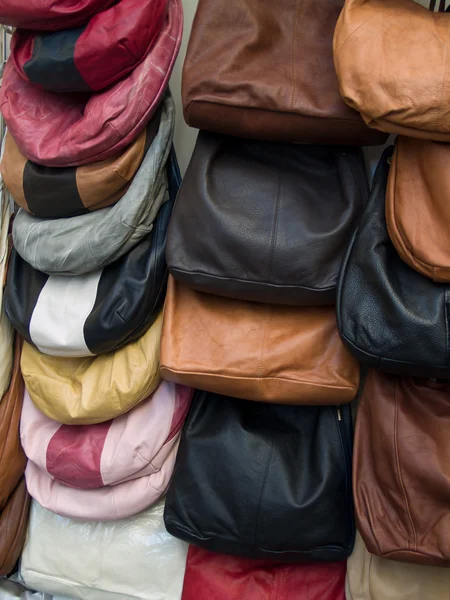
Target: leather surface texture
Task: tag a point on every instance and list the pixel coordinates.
(6, 331)
(55, 192)
(391, 317)
(92, 57)
(417, 210)
(93, 456)
(277, 219)
(13, 528)
(79, 245)
(246, 73)
(255, 351)
(68, 130)
(283, 489)
(48, 15)
(401, 466)
(86, 391)
(372, 578)
(225, 577)
(51, 558)
(398, 89)
(12, 456)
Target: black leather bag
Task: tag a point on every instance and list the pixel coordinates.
(264, 480)
(100, 312)
(390, 316)
(264, 221)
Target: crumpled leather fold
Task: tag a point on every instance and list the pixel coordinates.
(13, 528)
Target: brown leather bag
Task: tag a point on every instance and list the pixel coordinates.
(401, 469)
(391, 60)
(418, 207)
(264, 70)
(12, 456)
(13, 527)
(269, 353)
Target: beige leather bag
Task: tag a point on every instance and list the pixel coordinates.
(6, 331)
(372, 578)
(391, 58)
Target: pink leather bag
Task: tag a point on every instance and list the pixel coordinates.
(62, 130)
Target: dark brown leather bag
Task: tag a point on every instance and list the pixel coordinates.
(264, 70)
(12, 456)
(13, 527)
(401, 469)
(254, 351)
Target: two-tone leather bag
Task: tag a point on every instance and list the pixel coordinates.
(13, 527)
(264, 481)
(401, 469)
(92, 57)
(276, 219)
(255, 351)
(6, 331)
(264, 70)
(390, 317)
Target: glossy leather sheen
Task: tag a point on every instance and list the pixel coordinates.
(57, 192)
(13, 528)
(84, 391)
(264, 70)
(48, 15)
(283, 488)
(224, 577)
(67, 130)
(130, 559)
(12, 456)
(401, 469)
(131, 446)
(90, 58)
(91, 314)
(79, 245)
(278, 219)
(417, 208)
(385, 74)
(255, 351)
(6, 331)
(390, 316)
(372, 578)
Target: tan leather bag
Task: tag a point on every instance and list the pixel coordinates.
(391, 60)
(269, 353)
(264, 70)
(401, 469)
(372, 578)
(418, 207)
(13, 528)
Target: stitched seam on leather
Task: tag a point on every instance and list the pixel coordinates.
(278, 580)
(263, 487)
(353, 32)
(293, 70)
(399, 476)
(367, 578)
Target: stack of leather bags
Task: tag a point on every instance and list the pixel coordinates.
(88, 157)
(274, 192)
(391, 60)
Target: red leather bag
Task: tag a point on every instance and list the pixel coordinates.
(90, 58)
(211, 576)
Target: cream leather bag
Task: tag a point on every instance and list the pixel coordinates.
(6, 331)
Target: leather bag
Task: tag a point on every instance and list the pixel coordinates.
(281, 216)
(131, 446)
(68, 130)
(224, 577)
(55, 192)
(85, 391)
(13, 528)
(390, 317)
(255, 351)
(129, 559)
(401, 469)
(400, 88)
(372, 578)
(96, 313)
(6, 331)
(79, 245)
(12, 456)
(417, 209)
(92, 57)
(265, 70)
(264, 481)
(48, 15)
